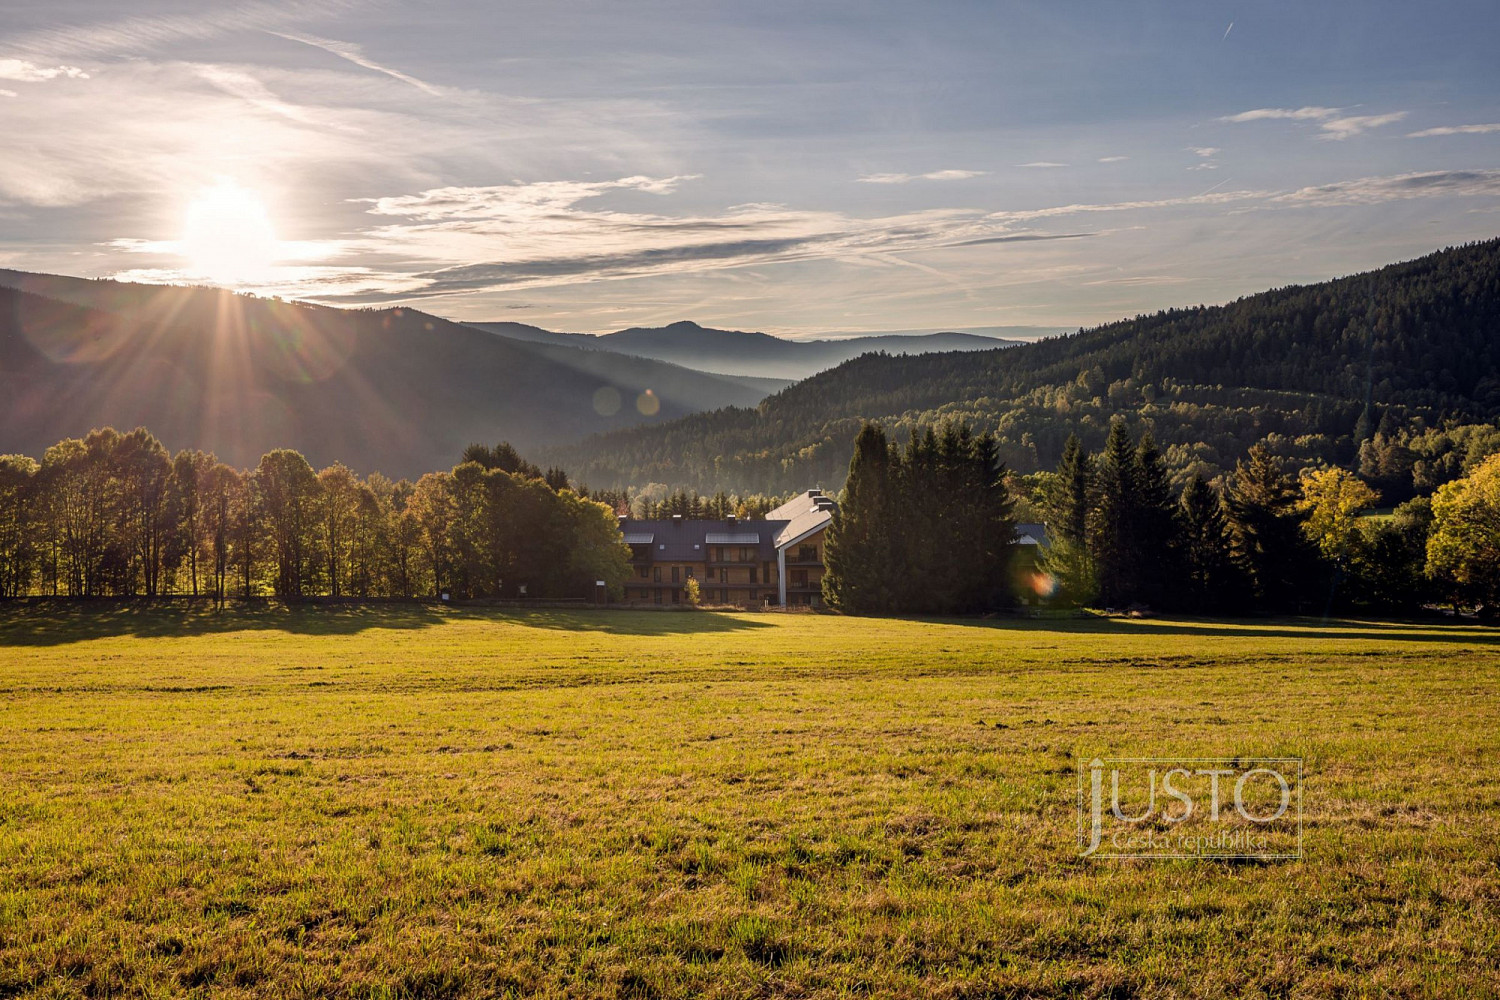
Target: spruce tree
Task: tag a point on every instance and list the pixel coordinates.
(1069, 495)
(1268, 540)
(859, 550)
(992, 526)
(915, 476)
(1067, 504)
(1212, 580)
(1155, 539)
(952, 555)
(1114, 534)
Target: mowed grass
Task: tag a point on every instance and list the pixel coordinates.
(416, 802)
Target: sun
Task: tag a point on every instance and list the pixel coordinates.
(227, 236)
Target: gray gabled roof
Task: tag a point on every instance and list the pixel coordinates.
(1032, 533)
(732, 538)
(688, 540)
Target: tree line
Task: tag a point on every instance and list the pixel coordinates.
(1265, 541)
(656, 502)
(928, 529)
(114, 514)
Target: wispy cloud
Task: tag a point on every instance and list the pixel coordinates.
(1042, 164)
(23, 71)
(147, 32)
(8, 93)
(1455, 130)
(1112, 159)
(935, 175)
(512, 201)
(320, 134)
(545, 233)
(1206, 157)
(1310, 113)
(1348, 127)
(1333, 125)
(354, 54)
(1400, 187)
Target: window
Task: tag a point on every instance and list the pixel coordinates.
(656, 573)
(658, 597)
(745, 554)
(645, 572)
(723, 597)
(676, 597)
(752, 574)
(674, 574)
(807, 553)
(723, 574)
(689, 572)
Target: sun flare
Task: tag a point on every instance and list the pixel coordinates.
(227, 236)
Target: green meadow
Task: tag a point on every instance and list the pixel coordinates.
(408, 801)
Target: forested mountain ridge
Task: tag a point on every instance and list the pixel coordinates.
(392, 390)
(738, 352)
(1295, 364)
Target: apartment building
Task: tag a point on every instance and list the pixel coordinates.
(778, 560)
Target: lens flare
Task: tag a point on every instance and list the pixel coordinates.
(607, 401)
(1043, 584)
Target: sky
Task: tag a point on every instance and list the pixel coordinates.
(795, 167)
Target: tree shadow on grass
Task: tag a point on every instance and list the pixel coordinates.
(614, 621)
(55, 622)
(1415, 630)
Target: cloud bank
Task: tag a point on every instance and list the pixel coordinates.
(453, 240)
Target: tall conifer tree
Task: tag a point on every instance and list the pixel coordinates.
(1114, 528)
(1269, 542)
(1212, 581)
(859, 573)
(1155, 541)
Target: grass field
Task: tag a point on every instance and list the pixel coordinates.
(439, 802)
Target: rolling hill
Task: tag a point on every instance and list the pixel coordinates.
(1315, 368)
(736, 352)
(392, 390)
